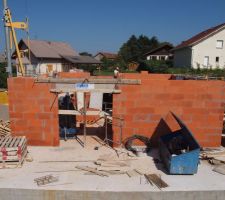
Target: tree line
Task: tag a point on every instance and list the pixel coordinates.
(133, 50)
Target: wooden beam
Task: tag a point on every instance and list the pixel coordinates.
(75, 112)
(64, 90)
(89, 80)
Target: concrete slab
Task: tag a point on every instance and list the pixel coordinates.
(73, 184)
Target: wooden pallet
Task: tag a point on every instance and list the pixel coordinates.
(13, 150)
(5, 130)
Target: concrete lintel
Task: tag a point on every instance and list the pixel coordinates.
(85, 90)
(89, 80)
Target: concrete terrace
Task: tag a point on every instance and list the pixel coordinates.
(76, 184)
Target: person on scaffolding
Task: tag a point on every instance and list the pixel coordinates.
(117, 72)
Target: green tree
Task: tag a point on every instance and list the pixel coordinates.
(108, 64)
(135, 48)
(130, 50)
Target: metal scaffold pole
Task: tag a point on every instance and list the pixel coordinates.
(8, 50)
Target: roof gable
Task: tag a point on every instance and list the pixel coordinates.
(107, 55)
(200, 36)
(164, 49)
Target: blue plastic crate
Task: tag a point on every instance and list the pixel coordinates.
(176, 161)
(68, 132)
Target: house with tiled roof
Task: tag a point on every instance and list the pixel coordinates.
(204, 50)
(110, 56)
(41, 57)
(163, 52)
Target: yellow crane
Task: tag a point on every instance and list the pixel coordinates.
(12, 26)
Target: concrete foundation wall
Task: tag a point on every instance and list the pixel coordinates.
(23, 194)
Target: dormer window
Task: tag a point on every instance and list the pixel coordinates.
(219, 44)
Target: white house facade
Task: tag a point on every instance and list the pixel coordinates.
(47, 57)
(205, 50)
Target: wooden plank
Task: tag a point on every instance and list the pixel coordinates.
(93, 170)
(4, 127)
(13, 141)
(75, 112)
(7, 144)
(114, 91)
(132, 173)
(111, 163)
(220, 169)
(1, 139)
(89, 80)
(22, 140)
(154, 178)
(113, 168)
(17, 142)
(5, 141)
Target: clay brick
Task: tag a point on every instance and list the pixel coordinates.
(44, 115)
(155, 117)
(141, 118)
(30, 116)
(15, 115)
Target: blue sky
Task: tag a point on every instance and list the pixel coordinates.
(104, 25)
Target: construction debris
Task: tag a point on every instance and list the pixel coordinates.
(156, 180)
(13, 151)
(5, 130)
(114, 168)
(46, 180)
(220, 169)
(129, 146)
(29, 158)
(214, 156)
(93, 170)
(132, 173)
(112, 163)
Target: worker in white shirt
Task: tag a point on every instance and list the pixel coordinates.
(116, 72)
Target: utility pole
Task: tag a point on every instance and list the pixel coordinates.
(7, 42)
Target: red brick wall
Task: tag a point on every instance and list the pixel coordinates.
(33, 111)
(200, 104)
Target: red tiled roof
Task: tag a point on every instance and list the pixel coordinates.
(108, 55)
(199, 36)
